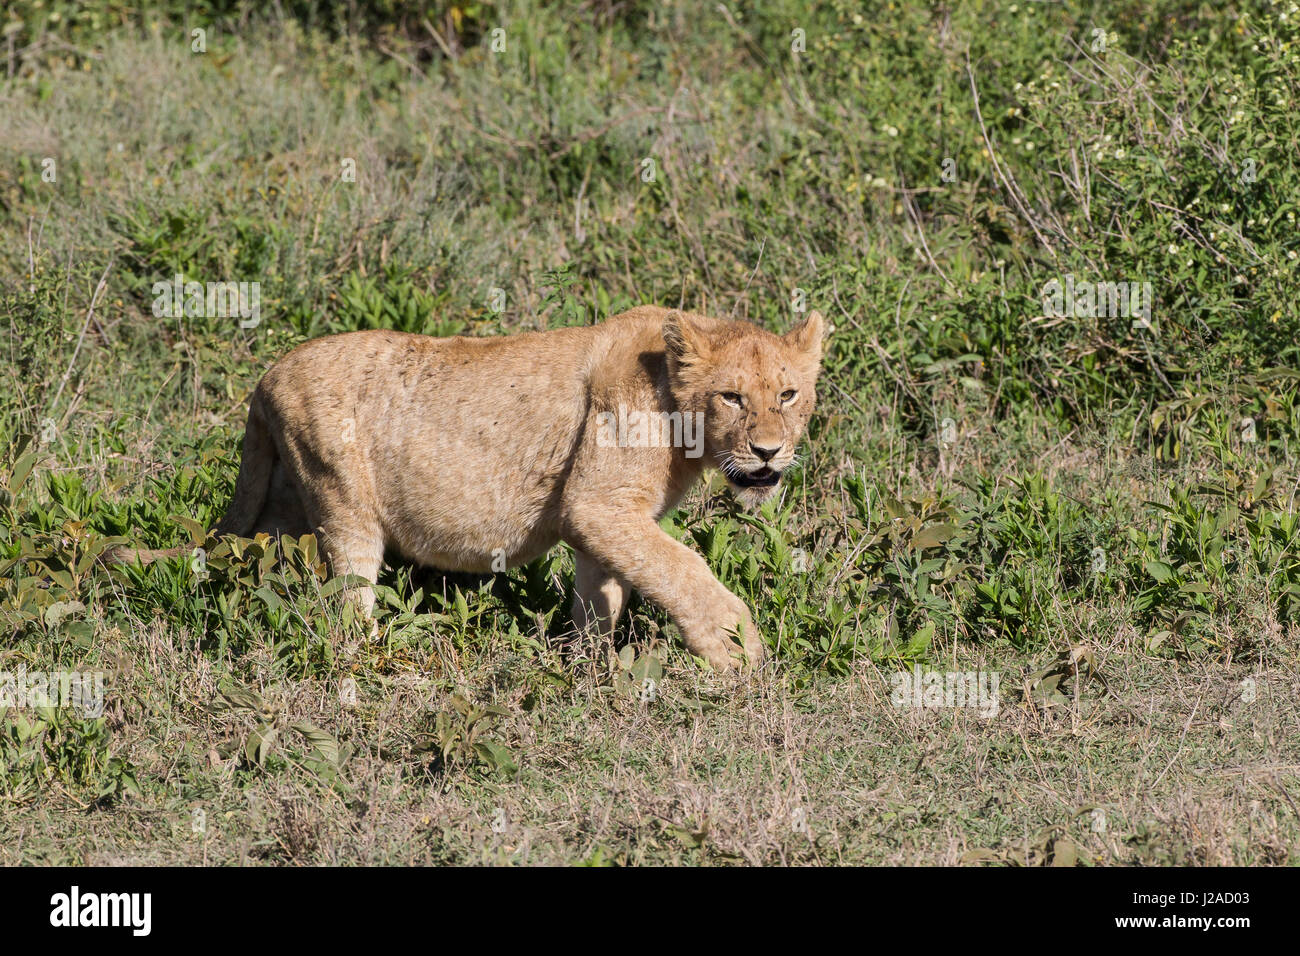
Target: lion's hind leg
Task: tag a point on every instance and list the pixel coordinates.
(599, 596)
(352, 547)
(283, 513)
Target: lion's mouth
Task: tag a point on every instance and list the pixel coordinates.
(762, 478)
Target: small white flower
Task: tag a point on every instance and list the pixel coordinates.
(1173, 249)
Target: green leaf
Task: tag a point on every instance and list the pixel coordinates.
(932, 536)
(58, 611)
(496, 756)
(336, 584)
(22, 468)
(1160, 571)
(323, 742)
(259, 743)
(197, 532)
(647, 666)
(269, 598)
(920, 641)
(240, 698)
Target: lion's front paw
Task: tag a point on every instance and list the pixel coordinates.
(749, 637)
(722, 655)
(726, 655)
(717, 626)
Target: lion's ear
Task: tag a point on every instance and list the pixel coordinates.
(685, 337)
(806, 337)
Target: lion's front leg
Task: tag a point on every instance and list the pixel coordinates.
(678, 580)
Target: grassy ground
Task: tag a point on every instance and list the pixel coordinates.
(1099, 510)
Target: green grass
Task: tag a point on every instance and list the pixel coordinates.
(1101, 512)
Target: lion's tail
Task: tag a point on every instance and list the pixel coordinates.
(124, 554)
(250, 493)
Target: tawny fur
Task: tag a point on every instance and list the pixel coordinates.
(463, 453)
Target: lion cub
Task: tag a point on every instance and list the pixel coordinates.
(474, 454)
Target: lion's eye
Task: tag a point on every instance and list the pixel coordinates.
(731, 398)
(788, 396)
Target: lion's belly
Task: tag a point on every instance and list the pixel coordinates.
(485, 500)
(458, 535)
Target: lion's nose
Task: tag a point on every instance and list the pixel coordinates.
(763, 451)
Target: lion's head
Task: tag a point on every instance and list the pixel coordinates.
(755, 389)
